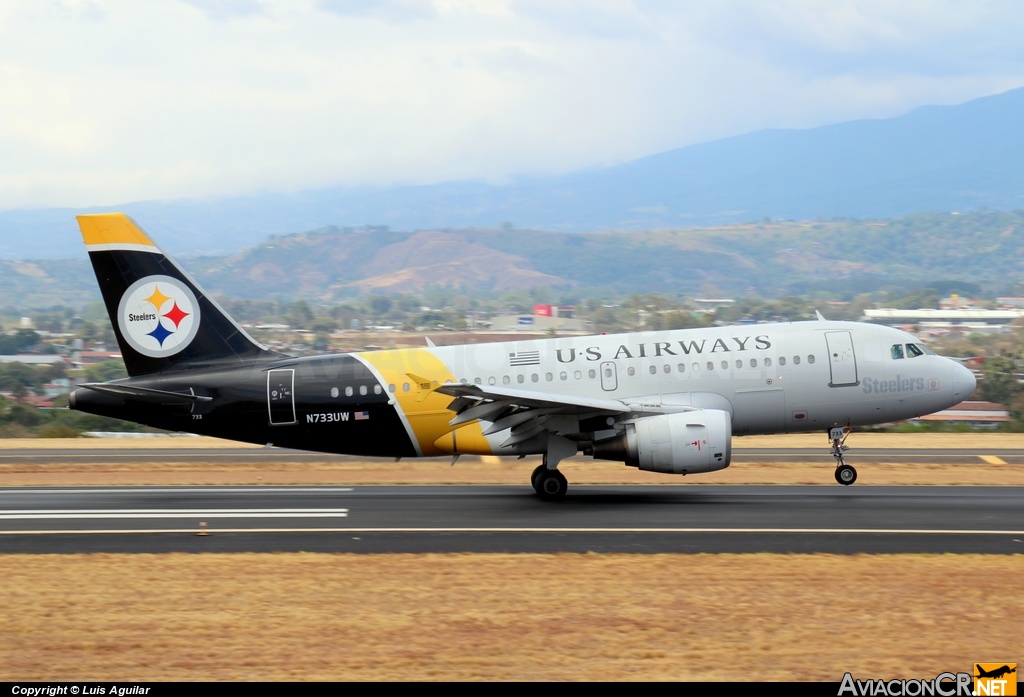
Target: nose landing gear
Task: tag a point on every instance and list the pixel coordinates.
(845, 474)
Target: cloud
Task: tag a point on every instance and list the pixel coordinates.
(112, 100)
(227, 9)
(388, 10)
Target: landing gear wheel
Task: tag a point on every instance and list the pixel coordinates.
(846, 475)
(551, 485)
(533, 477)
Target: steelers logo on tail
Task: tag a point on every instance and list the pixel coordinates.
(158, 316)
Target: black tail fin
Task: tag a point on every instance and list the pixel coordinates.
(162, 319)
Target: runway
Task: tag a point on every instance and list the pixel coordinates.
(478, 519)
(264, 455)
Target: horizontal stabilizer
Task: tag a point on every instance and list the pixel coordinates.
(146, 394)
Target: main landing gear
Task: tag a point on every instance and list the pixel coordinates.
(845, 474)
(550, 484)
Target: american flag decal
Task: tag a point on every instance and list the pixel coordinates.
(362, 415)
(524, 358)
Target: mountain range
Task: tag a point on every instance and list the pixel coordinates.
(836, 258)
(938, 158)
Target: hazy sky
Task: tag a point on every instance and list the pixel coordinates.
(111, 101)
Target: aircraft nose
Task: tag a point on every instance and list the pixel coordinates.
(964, 382)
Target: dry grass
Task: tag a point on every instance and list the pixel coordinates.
(505, 617)
(483, 471)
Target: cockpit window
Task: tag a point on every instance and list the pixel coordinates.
(913, 351)
(925, 349)
(897, 351)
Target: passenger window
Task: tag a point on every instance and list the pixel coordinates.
(534, 377)
(796, 360)
(405, 387)
(696, 367)
(681, 367)
(810, 359)
(631, 371)
(391, 388)
(725, 365)
(348, 391)
(520, 379)
(578, 375)
(897, 351)
(753, 363)
(491, 380)
(506, 379)
(782, 360)
(377, 389)
(711, 366)
(477, 381)
(607, 372)
(767, 362)
(667, 369)
(653, 370)
(463, 381)
(739, 363)
(563, 375)
(549, 377)
(592, 373)
(913, 351)
(362, 389)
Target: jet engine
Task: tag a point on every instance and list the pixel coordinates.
(681, 443)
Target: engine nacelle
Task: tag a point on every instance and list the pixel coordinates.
(681, 443)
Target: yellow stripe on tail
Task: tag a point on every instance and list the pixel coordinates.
(112, 230)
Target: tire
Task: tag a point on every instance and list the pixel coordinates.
(535, 477)
(846, 475)
(551, 485)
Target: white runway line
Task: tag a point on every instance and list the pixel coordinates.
(180, 489)
(176, 513)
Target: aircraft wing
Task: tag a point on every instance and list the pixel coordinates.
(524, 412)
(529, 399)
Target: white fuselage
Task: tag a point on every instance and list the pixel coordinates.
(771, 377)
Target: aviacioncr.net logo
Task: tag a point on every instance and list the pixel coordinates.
(158, 316)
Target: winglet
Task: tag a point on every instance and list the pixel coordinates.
(820, 318)
(430, 343)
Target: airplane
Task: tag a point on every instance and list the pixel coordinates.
(995, 673)
(661, 401)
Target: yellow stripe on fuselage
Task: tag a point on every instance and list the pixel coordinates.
(112, 230)
(427, 411)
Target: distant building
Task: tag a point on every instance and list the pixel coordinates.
(83, 358)
(947, 320)
(972, 413)
(540, 323)
(711, 304)
(34, 359)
